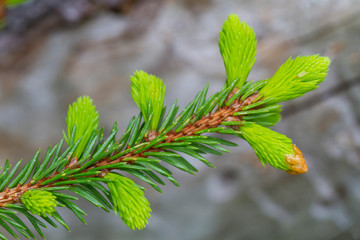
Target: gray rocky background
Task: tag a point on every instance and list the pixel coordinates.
(50, 56)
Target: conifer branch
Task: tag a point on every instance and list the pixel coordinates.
(91, 166)
(213, 120)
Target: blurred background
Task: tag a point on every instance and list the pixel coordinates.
(52, 51)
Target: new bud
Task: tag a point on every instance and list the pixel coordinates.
(129, 201)
(39, 202)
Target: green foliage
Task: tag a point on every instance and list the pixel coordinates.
(148, 92)
(91, 165)
(39, 202)
(271, 147)
(14, 3)
(81, 121)
(296, 77)
(129, 201)
(237, 44)
(267, 115)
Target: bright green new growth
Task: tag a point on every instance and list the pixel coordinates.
(293, 79)
(39, 202)
(129, 201)
(148, 92)
(237, 44)
(296, 77)
(91, 165)
(14, 3)
(82, 118)
(271, 147)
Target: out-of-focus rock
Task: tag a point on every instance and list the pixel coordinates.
(177, 40)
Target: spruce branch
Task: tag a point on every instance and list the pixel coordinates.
(92, 166)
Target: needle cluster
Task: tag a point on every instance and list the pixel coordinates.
(89, 165)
